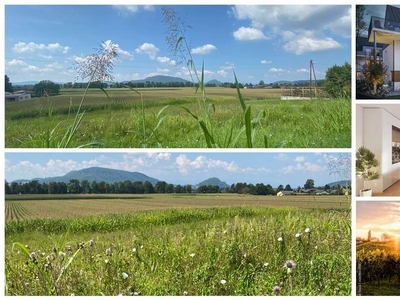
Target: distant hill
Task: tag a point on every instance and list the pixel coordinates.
(99, 174)
(341, 182)
(24, 83)
(214, 81)
(161, 78)
(297, 82)
(214, 181)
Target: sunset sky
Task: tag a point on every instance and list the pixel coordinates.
(379, 217)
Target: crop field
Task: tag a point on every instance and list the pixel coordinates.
(20, 207)
(167, 245)
(170, 118)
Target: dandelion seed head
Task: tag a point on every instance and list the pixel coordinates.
(280, 239)
(298, 235)
(185, 293)
(33, 255)
(307, 230)
(106, 261)
(91, 242)
(124, 275)
(108, 251)
(134, 250)
(266, 264)
(223, 281)
(192, 254)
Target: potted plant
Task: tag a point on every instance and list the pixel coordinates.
(366, 164)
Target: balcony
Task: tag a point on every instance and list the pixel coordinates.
(383, 31)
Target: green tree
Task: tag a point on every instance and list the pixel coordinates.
(46, 87)
(262, 83)
(309, 184)
(374, 73)
(288, 188)
(338, 81)
(360, 23)
(8, 85)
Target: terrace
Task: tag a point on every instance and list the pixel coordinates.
(383, 30)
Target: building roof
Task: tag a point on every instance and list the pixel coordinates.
(392, 13)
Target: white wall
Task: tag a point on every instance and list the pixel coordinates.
(377, 136)
(388, 61)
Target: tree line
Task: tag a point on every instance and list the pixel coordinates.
(75, 186)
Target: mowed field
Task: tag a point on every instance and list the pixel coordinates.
(22, 207)
(154, 117)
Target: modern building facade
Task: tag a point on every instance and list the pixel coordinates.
(386, 31)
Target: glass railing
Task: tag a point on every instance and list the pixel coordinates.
(384, 24)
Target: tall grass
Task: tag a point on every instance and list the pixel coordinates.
(258, 251)
(181, 50)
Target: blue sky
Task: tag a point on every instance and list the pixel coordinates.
(184, 167)
(270, 43)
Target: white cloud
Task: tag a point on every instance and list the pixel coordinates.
(16, 62)
(31, 47)
(249, 34)
(310, 27)
(186, 165)
(222, 73)
(264, 62)
(306, 44)
(303, 167)
(206, 49)
(149, 49)
(162, 71)
(275, 70)
(302, 70)
(166, 60)
(300, 159)
(126, 10)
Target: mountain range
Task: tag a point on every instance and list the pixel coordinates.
(111, 175)
(167, 79)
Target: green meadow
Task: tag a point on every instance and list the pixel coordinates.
(188, 245)
(177, 118)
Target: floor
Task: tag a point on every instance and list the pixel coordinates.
(393, 190)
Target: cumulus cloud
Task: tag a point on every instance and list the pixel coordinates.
(185, 165)
(222, 73)
(264, 62)
(16, 62)
(206, 49)
(300, 159)
(32, 47)
(306, 44)
(148, 49)
(249, 34)
(306, 166)
(166, 60)
(310, 28)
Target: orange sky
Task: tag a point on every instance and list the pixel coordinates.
(379, 217)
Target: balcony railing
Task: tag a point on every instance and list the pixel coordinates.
(370, 53)
(383, 24)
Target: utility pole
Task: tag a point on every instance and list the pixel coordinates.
(313, 83)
